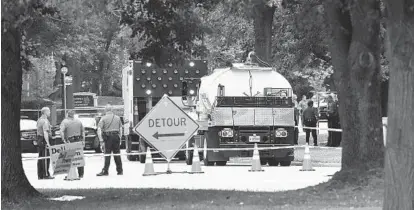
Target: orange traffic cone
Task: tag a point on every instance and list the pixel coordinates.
(196, 167)
(149, 165)
(72, 175)
(256, 166)
(307, 164)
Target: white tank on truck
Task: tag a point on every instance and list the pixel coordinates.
(240, 106)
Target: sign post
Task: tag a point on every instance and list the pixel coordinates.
(166, 128)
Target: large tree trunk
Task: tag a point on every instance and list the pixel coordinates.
(399, 161)
(364, 63)
(263, 22)
(14, 183)
(359, 107)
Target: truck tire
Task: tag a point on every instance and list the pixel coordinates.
(189, 159)
(285, 163)
(142, 158)
(273, 162)
(263, 162)
(221, 163)
(142, 148)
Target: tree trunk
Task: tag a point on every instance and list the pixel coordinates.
(263, 22)
(399, 159)
(103, 64)
(14, 183)
(365, 69)
(357, 82)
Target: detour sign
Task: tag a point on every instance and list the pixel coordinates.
(166, 127)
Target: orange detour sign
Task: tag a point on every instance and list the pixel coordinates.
(166, 127)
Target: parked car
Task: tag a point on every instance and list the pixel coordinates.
(28, 129)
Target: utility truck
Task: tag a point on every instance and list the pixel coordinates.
(239, 106)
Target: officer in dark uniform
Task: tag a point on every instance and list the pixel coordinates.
(72, 130)
(310, 117)
(109, 133)
(44, 135)
(333, 122)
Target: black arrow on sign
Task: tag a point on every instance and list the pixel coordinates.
(157, 135)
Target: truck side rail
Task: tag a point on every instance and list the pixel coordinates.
(242, 101)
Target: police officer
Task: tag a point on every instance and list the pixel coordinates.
(44, 135)
(302, 106)
(296, 116)
(333, 122)
(72, 130)
(109, 133)
(310, 117)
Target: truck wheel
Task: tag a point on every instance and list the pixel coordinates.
(263, 162)
(142, 148)
(273, 162)
(189, 159)
(221, 163)
(142, 158)
(285, 163)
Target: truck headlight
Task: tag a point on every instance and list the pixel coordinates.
(281, 132)
(226, 132)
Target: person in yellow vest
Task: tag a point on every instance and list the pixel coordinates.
(44, 135)
(72, 130)
(109, 134)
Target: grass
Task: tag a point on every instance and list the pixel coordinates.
(320, 157)
(331, 195)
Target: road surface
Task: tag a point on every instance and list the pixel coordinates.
(231, 177)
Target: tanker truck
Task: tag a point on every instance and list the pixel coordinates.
(240, 106)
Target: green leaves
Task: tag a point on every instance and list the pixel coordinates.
(171, 27)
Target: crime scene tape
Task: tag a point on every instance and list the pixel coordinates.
(321, 129)
(191, 149)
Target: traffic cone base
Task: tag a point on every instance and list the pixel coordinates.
(256, 165)
(196, 167)
(149, 165)
(307, 163)
(72, 175)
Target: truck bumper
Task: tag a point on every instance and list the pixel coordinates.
(284, 154)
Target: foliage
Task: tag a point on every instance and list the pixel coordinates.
(169, 27)
(231, 35)
(39, 81)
